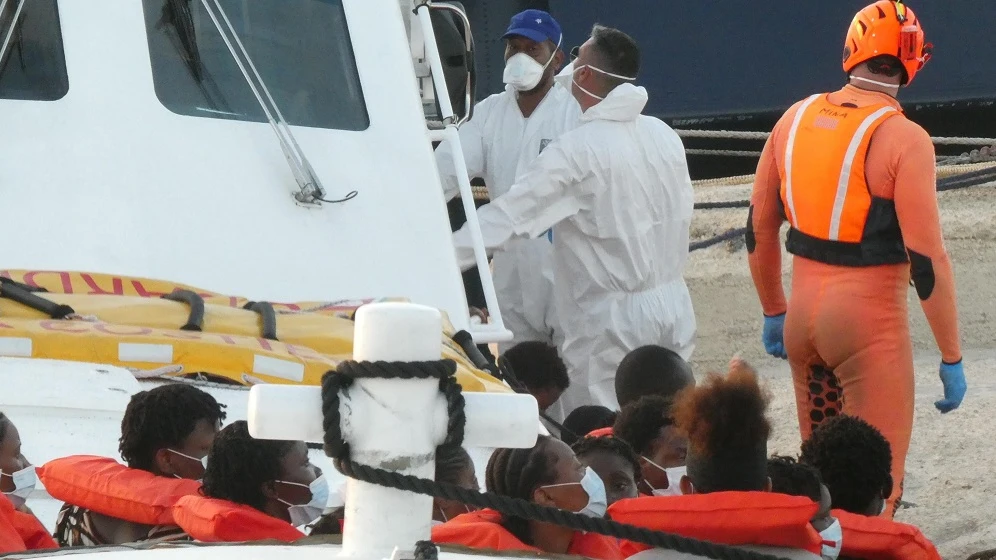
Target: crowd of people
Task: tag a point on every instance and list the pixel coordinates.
(683, 457)
(589, 224)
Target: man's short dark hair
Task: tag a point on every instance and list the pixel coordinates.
(639, 423)
(791, 477)
(887, 65)
(611, 445)
(537, 365)
(585, 419)
(651, 370)
(616, 52)
(854, 459)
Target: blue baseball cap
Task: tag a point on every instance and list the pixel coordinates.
(536, 25)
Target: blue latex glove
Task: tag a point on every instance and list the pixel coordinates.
(953, 378)
(773, 337)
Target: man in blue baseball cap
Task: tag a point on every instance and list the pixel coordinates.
(507, 132)
(532, 53)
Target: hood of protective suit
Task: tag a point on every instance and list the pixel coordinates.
(624, 103)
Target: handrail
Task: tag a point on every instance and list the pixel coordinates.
(495, 330)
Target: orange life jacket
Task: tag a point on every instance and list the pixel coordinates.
(211, 520)
(730, 518)
(21, 531)
(601, 432)
(483, 529)
(876, 538)
(479, 529)
(826, 199)
(107, 487)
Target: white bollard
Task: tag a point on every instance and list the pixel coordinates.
(392, 424)
(294, 412)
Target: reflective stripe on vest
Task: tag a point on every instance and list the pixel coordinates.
(827, 201)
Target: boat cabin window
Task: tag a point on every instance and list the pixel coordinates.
(33, 63)
(301, 49)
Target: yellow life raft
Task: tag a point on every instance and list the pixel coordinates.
(146, 324)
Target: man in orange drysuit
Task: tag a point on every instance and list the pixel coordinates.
(855, 179)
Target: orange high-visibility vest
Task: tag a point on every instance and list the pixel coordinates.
(833, 215)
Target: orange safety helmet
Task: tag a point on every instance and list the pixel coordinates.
(887, 27)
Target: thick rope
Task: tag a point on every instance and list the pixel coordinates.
(746, 135)
(963, 181)
(333, 382)
(727, 153)
(426, 550)
(984, 555)
(336, 381)
(731, 234)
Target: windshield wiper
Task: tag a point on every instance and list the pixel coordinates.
(13, 26)
(310, 187)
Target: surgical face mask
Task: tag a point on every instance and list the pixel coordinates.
(203, 461)
(442, 512)
(24, 483)
(523, 73)
(302, 514)
(673, 474)
(876, 82)
(595, 488)
(832, 537)
(600, 71)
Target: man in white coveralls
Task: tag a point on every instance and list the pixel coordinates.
(617, 193)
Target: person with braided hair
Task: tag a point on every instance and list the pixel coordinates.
(614, 461)
(548, 474)
(166, 434)
(453, 466)
(254, 489)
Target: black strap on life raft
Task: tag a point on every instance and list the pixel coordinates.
(267, 315)
(22, 294)
(22, 286)
(195, 321)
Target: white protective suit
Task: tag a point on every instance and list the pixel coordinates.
(498, 144)
(618, 195)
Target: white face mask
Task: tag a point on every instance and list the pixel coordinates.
(445, 517)
(523, 73)
(24, 483)
(565, 76)
(600, 71)
(302, 514)
(595, 488)
(832, 537)
(203, 460)
(674, 475)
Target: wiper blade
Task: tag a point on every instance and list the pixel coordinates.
(310, 187)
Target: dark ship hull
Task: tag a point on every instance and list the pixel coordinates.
(738, 64)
